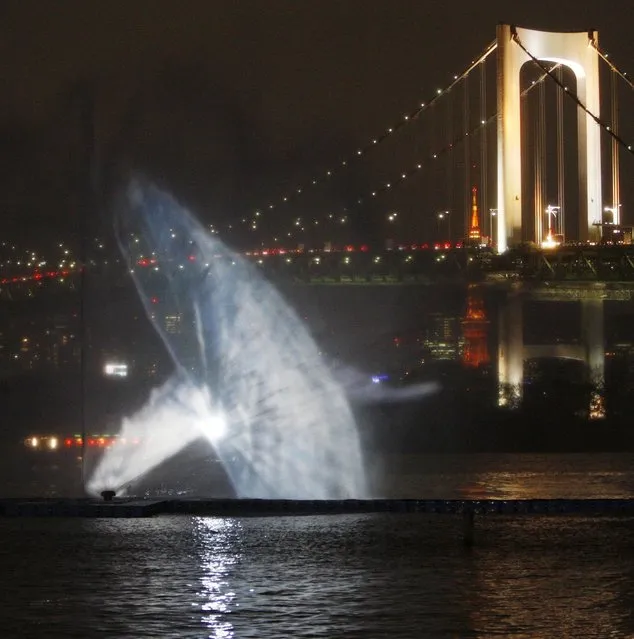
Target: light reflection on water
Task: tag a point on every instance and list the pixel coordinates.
(219, 539)
(404, 576)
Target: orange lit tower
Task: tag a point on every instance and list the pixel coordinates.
(475, 328)
(474, 227)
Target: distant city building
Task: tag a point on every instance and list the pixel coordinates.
(444, 339)
(173, 323)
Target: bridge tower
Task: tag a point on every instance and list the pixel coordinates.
(575, 51)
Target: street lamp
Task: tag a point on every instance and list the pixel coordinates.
(391, 218)
(551, 212)
(444, 215)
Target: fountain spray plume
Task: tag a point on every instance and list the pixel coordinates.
(249, 378)
(370, 389)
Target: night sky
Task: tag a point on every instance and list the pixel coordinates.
(231, 102)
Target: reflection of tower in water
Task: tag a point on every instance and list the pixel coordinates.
(475, 330)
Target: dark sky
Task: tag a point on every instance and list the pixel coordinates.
(230, 102)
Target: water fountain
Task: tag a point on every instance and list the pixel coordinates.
(248, 377)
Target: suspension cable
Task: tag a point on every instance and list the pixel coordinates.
(376, 141)
(436, 153)
(613, 67)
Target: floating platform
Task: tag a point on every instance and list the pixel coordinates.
(134, 508)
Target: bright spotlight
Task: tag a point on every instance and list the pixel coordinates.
(115, 370)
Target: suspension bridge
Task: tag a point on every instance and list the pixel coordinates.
(516, 167)
(502, 176)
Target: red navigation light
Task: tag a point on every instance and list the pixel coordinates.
(364, 248)
(447, 245)
(155, 300)
(192, 258)
(92, 442)
(458, 244)
(143, 262)
(38, 276)
(68, 442)
(350, 248)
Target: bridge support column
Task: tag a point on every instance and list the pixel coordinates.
(592, 335)
(511, 350)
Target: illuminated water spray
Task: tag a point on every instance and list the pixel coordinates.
(249, 378)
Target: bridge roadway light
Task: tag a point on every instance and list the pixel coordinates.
(445, 215)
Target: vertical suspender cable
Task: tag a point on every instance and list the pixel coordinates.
(616, 186)
(450, 157)
(467, 159)
(537, 168)
(542, 148)
(484, 206)
(561, 224)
